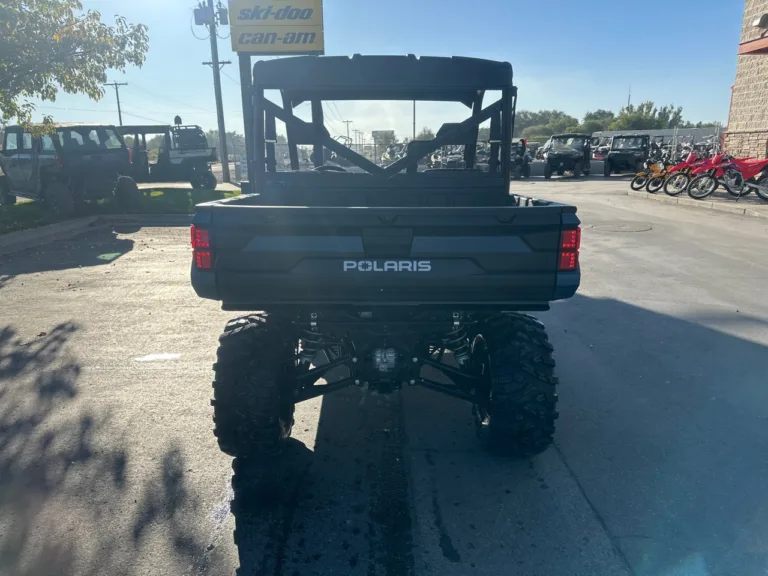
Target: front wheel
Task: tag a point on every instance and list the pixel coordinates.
(676, 184)
(639, 182)
(702, 186)
(516, 411)
(761, 187)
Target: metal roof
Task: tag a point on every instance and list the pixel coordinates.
(381, 77)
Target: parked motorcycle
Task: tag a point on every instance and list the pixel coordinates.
(739, 176)
(679, 175)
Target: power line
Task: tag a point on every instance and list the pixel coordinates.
(230, 77)
(167, 98)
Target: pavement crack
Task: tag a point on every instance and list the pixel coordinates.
(612, 539)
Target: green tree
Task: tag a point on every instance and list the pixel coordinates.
(591, 126)
(51, 45)
(425, 134)
(540, 130)
(604, 117)
(484, 134)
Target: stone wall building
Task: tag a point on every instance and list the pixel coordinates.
(747, 131)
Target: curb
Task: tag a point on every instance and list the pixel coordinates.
(700, 204)
(23, 239)
(15, 241)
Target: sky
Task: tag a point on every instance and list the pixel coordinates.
(572, 55)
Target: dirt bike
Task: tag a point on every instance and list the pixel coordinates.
(739, 176)
(679, 175)
(653, 170)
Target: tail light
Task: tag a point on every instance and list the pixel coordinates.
(201, 244)
(570, 242)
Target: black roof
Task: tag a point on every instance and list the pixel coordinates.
(67, 125)
(144, 129)
(381, 77)
(572, 135)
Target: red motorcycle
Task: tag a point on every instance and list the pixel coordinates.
(679, 175)
(739, 176)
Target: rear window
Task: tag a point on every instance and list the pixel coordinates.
(46, 143)
(84, 138)
(112, 140)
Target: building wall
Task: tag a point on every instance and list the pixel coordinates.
(748, 120)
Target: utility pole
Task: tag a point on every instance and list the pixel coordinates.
(216, 66)
(357, 139)
(117, 92)
(347, 122)
(414, 119)
(629, 97)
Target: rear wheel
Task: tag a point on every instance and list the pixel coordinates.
(59, 199)
(517, 413)
(6, 198)
(702, 186)
(127, 194)
(655, 184)
(253, 391)
(639, 182)
(676, 184)
(208, 181)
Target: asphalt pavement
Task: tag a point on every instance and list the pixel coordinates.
(108, 464)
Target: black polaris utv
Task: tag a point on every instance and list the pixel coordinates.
(568, 153)
(627, 153)
(384, 276)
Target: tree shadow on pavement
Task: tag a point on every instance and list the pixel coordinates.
(70, 501)
(95, 248)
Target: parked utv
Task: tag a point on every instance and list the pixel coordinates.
(628, 153)
(67, 166)
(568, 153)
(386, 276)
(521, 159)
(184, 155)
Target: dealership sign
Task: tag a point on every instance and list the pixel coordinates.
(277, 27)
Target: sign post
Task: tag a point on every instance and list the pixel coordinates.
(281, 28)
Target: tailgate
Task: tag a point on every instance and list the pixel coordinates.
(310, 255)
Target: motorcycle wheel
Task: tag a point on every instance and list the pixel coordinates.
(639, 182)
(761, 187)
(676, 184)
(702, 186)
(655, 184)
